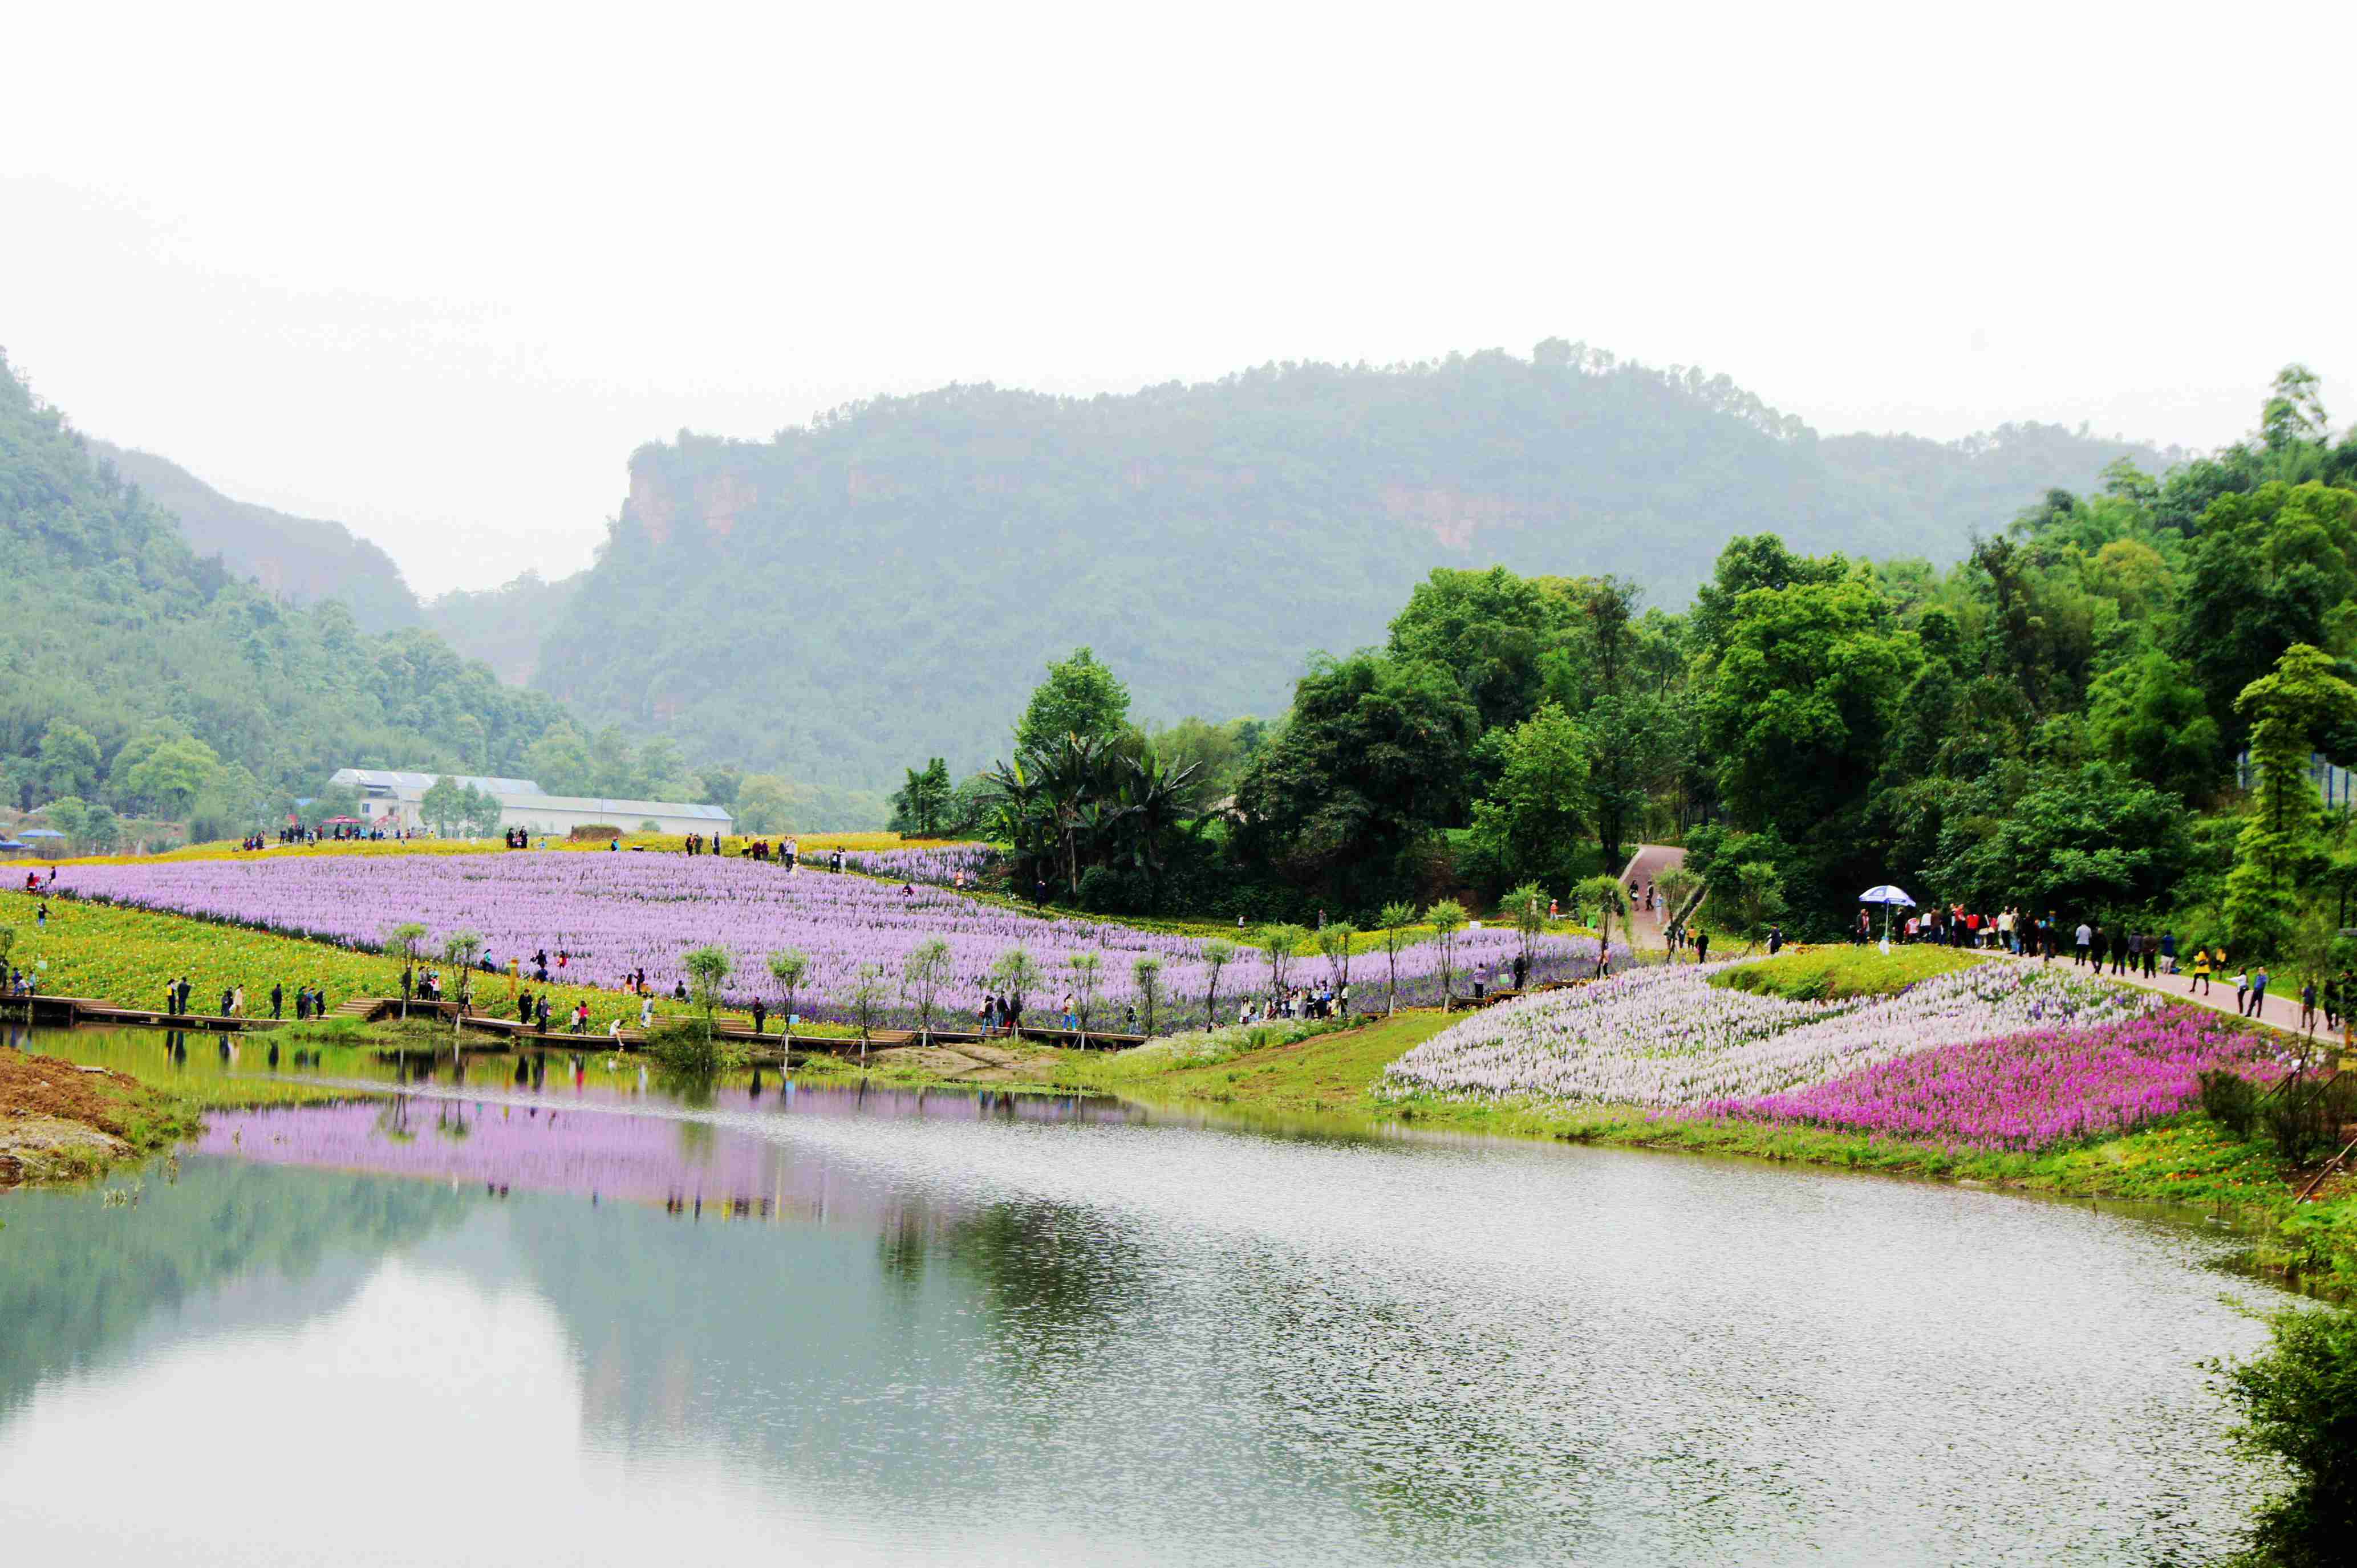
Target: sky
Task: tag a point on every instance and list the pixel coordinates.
(435, 271)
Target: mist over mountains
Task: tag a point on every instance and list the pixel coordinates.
(886, 583)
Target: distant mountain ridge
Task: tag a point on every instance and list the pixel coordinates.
(299, 559)
(886, 583)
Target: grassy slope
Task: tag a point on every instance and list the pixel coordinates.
(1827, 973)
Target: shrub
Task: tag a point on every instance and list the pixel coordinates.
(1831, 974)
(2298, 1403)
(595, 832)
(2231, 1101)
(2305, 1115)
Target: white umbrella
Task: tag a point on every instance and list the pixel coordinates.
(1885, 894)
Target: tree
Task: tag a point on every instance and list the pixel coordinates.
(1394, 918)
(709, 969)
(462, 948)
(1673, 885)
(765, 804)
(1758, 895)
(2303, 698)
(1015, 975)
(1608, 898)
(1531, 819)
(1623, 734)
(1334, 943)
(2085, 838)
(787, 966)
(923, 972)
(866, 999)
(1526, 906)
(2267, 569)
(1446, 918)
(1490, 630)
(1080, 697)
(100, 833)
(70, 761)
(2299, 1404)
(67, 814)
(172, 775)
(1218, 953)
(2145, 715)
(483, 812)
(1145, 972)
(1088, 972)
(1370, 765)
(401, 941)
(922, 807)
(1278, 942)
(443, 804)
(1805, 694)
(721, 786)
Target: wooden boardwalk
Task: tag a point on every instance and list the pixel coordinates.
(494, 1033)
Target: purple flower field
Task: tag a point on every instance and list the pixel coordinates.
(2020, 1093)
(615, 913)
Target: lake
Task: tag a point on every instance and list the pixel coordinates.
(599, 1322)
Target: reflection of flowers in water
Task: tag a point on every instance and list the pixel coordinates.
(692, 1167)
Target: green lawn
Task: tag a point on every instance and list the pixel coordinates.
(1828, 973)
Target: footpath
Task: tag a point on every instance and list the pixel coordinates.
(2282, 1002)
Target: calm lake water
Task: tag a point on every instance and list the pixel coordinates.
(497, 1323)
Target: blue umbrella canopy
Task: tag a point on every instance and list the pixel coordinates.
(1886, 894)
(39, 833)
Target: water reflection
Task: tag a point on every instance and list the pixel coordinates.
(949, 1327)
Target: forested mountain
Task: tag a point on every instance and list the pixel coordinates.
(151, 680)
(503, 626)
(2111, 711)
(299, 559)
(886, 584)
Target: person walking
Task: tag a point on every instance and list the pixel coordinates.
(2136, 951)
(2259, 978)
(1702, 947)
(2151, 954)
(2201, 981)
(2169, 950)
(2084, 936)
(2308, 1005)
(2242, 993)
(277, 1000)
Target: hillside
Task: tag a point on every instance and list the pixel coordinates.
(886, 583)
(299, 559)
(503, 626)
(143, 676)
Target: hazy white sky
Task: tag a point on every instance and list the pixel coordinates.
(435, 271)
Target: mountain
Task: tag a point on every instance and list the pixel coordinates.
(154, 680)
(503, 626)
(886, 584)
(299, 559)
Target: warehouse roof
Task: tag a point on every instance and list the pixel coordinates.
(397, 779)
(621, 812)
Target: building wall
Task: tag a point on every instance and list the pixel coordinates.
(558, 824)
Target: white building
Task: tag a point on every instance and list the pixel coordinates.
(390, 799)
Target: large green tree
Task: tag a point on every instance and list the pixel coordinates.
(1080, 697)
(1531, 821)
(1370, 766)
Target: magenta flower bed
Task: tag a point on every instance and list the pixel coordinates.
(2022, 1092)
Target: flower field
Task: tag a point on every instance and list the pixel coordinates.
(1667, 1037)
(614, 913)
(2026, 1092)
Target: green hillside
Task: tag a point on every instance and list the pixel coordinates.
(886, 584)
(299, 559)
(151, 680)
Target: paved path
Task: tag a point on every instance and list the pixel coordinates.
(2283, 992)
(1649, 861)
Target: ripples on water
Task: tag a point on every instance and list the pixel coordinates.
(1036, 1331)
